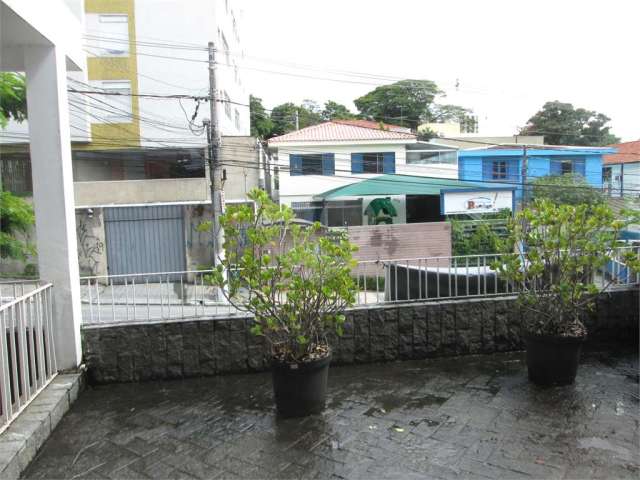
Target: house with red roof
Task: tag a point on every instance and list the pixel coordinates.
(321, 158)
(621, 170)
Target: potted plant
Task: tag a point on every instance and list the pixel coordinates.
(296, 282)
(562, 261)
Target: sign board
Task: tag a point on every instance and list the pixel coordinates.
(467, 202)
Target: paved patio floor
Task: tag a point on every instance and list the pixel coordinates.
(470, 417)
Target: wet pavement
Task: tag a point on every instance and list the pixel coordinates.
(470, 417)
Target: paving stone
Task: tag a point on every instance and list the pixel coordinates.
(459, 418)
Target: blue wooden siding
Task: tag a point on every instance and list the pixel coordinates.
(389, 162)
(328, 164)
(357, 163)
(477, 165)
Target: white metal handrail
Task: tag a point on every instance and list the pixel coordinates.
(27, 353)
(148, 297)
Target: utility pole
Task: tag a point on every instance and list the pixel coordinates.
(297, 120)
(215, 168)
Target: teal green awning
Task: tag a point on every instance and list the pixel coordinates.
(386, 185)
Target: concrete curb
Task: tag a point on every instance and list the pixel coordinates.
(21, 441)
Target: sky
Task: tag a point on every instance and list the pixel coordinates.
(507, 57)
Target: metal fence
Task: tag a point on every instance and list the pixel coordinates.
(147, 297)
(433, 278)
(188, 295)
(27, 354)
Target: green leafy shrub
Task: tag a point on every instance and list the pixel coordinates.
(16, 218)
(560, 250)
(295, 281)
(568, 189)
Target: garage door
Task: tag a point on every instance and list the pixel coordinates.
(145, 239)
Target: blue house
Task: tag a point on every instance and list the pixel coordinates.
(503, 164)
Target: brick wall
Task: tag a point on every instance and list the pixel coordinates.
(376, 334)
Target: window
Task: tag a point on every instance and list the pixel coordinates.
(15, 173)
(310, 211)
(430, 157)
(237, 118)
(344, 213)
(108, 35)
(373, 162)
(227, 104)
(566, 166)
(316, 164)
(95, 165)
(499, 170)
(116, 106)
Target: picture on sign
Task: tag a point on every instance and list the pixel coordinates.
(461, 202)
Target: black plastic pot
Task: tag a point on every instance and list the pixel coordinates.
(553, 360)
(300, 389)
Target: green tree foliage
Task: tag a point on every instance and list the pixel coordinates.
(16, 215)
(284, 116)
(562, 124)
(16, 218)
(568, 189)
(407, 103)
(410, 103)
(336, 111)
(295, 281)
(13, 98)
(481, 239)
(561, 249)
(261, 123)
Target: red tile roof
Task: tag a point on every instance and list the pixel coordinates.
(345, 130)
(628, 152)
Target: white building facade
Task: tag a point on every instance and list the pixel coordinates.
(320, 158)
(139, 147)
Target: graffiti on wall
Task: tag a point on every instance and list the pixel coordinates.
(90, 247)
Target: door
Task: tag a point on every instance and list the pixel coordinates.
(145, 239)
(423, 208)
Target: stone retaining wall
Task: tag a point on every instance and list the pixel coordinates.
(375, 334)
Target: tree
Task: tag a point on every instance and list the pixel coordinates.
(562, 124)
(336, 111)
(16, 219)
(566, 189)
(16, 215)
(406, 103)
(13, 98)
(284, 116)
(261, 123)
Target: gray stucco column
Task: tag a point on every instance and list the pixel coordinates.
(53, 194)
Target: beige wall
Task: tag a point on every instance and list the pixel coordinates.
(132, 192)
(398, 242)
(245, 174)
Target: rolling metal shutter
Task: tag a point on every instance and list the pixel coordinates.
(145, 239)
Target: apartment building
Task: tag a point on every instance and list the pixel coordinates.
(140, 175)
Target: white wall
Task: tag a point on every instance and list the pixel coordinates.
(173, 22)
(301, 188)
